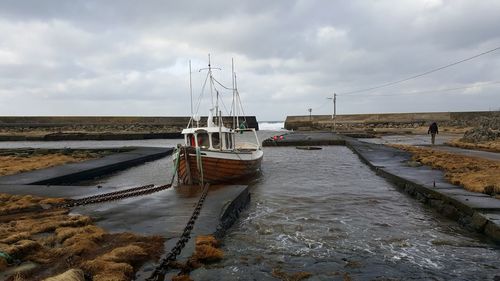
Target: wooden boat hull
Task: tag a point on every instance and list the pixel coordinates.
(217, 167)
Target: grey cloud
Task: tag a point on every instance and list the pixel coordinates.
(100, 57)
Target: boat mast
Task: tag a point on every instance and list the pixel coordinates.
(237, 111)
(190, 91)
(233, 103)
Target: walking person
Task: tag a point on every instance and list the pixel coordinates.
(433, 130)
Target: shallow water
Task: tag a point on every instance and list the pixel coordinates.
(326, 213)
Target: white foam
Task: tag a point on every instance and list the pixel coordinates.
(272, 126)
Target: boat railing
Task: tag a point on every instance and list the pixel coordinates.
(245, 144)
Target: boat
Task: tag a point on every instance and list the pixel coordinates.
(214, 152)
(308, 147)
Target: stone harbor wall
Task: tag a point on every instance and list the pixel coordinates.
(99, 127)
(391, 120)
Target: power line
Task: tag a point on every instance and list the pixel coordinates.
(421, 74)
(437, 91)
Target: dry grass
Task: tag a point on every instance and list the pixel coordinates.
(3, 264)
(57, 241)
(70, 275)
(10, 165)
(472, 173)
(493, 146)
(182, 278)
(206, 250)
(297, 276)
(14, 203)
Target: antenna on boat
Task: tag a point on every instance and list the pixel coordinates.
(237, 111)
(191, 88)
(233, 104)
(209, 75)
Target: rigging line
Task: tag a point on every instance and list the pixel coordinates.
(422, 74)
(321, 106)
(201, 94)
(241, 105)
(222, 100)
(221, 84)
(224, 105)
(437, 91)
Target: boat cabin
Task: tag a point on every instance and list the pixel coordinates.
(211, 138)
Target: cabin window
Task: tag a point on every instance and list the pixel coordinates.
(203, 140)
(190, 140)
(229, 142)
(215, 140)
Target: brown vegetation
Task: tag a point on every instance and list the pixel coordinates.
(474, 174)
(493, 146)
(70, 275)
(297, 276)
(57, 241)
(15, 203)
(206, 251)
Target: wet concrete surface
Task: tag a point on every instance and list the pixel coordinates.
(495, 156)
(441, 140)
(87, 169)
(63, 191)
(309, 138)
(414, 139)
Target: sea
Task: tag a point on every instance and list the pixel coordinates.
(272, 126)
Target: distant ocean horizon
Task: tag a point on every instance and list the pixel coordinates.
(272, 126)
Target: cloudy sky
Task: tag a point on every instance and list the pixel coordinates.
(131, 57)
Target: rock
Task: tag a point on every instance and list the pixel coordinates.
(492, 229)
(480, 134)
(478, 221)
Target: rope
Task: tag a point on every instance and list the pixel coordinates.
(176, 164)
(199, 164)
(7, 257)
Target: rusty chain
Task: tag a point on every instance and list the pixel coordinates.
(120, 194)
(109, 194)
(116, 195)
(161, 269)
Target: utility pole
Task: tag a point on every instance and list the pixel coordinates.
(334, 113)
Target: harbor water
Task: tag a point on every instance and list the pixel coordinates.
(326, 215)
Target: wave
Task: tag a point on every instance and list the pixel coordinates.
(272, 126)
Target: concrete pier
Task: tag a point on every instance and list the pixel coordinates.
(75, 172)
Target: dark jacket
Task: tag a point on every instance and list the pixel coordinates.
(433, 128)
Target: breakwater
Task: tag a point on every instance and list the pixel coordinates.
(388, 120)
(57, 128)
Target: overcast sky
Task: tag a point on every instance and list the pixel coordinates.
(131, 57)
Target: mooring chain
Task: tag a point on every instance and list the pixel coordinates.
(159, 272)
(112, 197)
(112, 193)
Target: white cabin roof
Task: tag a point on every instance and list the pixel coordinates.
(206, 129)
